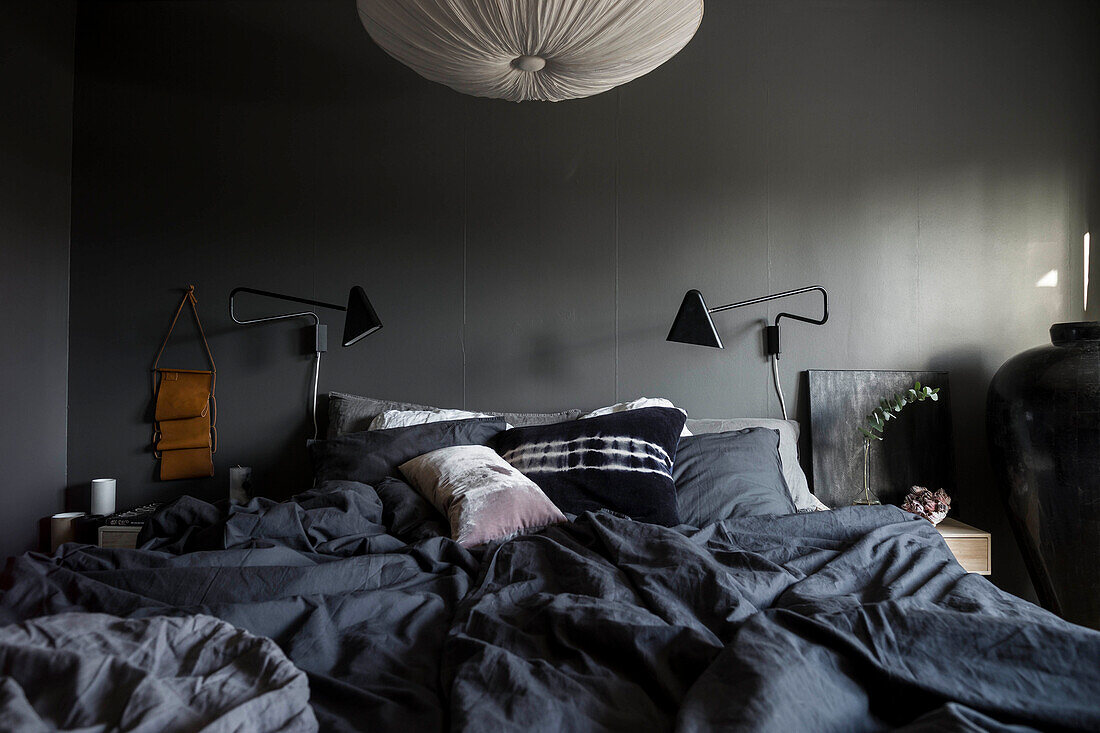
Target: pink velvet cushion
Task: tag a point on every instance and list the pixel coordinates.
(482, 496)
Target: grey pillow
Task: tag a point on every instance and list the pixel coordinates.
(371, 455)
(734, 474)
(349, 413)
(788, 449)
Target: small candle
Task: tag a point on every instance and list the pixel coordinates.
(240, 484)
(63, 529)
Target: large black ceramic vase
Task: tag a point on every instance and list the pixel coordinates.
(1043, 418)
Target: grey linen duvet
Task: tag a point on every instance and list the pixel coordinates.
(93, 672)
(856, 619)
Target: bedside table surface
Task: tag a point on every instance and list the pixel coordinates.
(954, 528)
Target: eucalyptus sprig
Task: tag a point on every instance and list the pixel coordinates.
(889, 407)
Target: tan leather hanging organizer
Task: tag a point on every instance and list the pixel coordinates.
(185, 435)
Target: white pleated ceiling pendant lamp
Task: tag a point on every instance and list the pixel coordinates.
(546, 50)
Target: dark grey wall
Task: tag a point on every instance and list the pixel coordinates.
(928, 162)
(36, 92)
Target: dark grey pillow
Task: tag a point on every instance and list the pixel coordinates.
(407, 514)
(371, 455)
(724, 475)
(788, 449)
(351, 413)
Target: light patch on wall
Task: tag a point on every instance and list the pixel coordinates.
(1049, 280)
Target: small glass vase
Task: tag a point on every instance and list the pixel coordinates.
(866, 497)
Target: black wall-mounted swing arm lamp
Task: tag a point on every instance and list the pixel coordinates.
(693, 325)
(359, 322)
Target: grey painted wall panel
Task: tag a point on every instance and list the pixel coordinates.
(539, 233)
(693, 213)
(927, 162)
(36, 84)
(313, 178)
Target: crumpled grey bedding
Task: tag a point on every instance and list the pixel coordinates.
(94, 672)
(857, 619)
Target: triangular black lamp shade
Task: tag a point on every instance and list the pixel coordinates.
(361, 320)
(693, 324)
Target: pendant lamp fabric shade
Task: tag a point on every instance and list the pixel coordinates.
(546, 50)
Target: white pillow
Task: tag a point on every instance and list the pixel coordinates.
(636, 405)
(405, 418)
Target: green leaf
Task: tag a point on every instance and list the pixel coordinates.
(890, 406)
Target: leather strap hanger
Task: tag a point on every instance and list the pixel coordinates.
(188, 297)
(174, 374)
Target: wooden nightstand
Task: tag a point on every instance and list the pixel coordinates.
(118, 537)
(971, 546)
(121, 530)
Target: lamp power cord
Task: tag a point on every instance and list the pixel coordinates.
(313, 403)
(778, 386)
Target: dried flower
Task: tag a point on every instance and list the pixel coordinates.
(932, 505)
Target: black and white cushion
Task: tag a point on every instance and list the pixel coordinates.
(622, 462)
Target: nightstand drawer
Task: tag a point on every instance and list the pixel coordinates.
(971, 546)
(971, 552)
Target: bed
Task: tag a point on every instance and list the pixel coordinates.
(857, 618)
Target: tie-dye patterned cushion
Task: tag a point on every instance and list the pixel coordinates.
(622, 462)
(483, 497)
